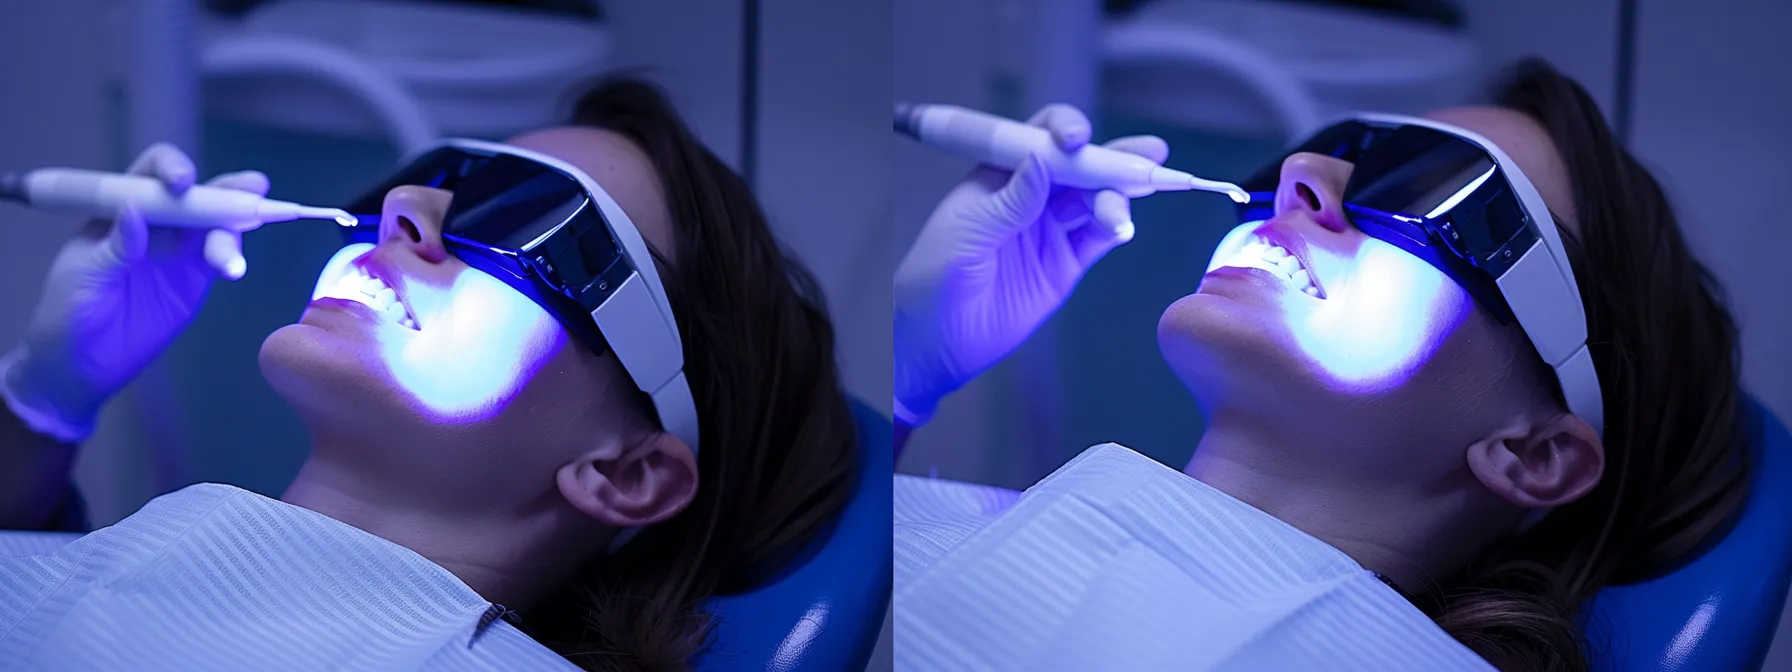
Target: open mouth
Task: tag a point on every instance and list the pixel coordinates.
(360, 284)
(1260, 252)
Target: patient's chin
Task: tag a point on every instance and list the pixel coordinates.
(316, 374)
(1217, 347)
(1222, 324)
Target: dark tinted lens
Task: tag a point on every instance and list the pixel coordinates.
(442, 168)
(592, 265)
(547, 219)
(1416, 171)
(509, 202)
(1432, 194)
(520, 221)
(1340, 141)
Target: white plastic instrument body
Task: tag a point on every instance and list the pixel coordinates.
(100, 194)
(1006, 143)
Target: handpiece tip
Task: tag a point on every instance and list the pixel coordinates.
(337, 215)
(1232, 191)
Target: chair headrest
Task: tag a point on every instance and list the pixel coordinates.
(825, 612)
(1719, 611)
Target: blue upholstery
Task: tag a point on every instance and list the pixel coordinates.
(825, 613)
(1720, 611)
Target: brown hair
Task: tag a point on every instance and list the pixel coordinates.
(1666, 351)
(777, 456)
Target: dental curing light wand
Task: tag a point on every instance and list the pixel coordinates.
(100, 194)
(1005, 143)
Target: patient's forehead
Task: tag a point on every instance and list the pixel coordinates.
(619, 166)
(1528, 144)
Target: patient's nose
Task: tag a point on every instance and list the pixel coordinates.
(412, 217)
(1314, 183)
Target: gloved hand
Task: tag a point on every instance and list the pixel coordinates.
(116, 296)
(997, 257)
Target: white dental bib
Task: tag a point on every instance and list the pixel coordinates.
(212, 577)
(1116, 562)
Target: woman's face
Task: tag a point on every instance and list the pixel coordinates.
(457, 343)
(406, 349)
(1304, 321)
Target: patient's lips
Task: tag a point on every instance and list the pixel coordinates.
(358, 285)
(385, 277)
(352, 276)
(1278, 232)
(1262, 253)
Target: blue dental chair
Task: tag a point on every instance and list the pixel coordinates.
(1720, 611)
(826, 611)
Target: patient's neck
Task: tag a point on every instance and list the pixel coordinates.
(513, 556)
(1412, 533)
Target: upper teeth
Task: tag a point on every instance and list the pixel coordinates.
(356, 285)
(1260, 253)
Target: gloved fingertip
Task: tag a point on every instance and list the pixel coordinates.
(1124, 232)
(236, 268)
(256, 182)
(175, 169)
(1072, 136)
(178, 180)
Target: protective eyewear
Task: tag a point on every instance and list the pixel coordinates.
(1453, 199)
(549, 231)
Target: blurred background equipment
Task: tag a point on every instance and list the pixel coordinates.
(360, 69)
(1278, 69)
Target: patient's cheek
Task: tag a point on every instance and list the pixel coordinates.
(478, 355)
(1381, 329)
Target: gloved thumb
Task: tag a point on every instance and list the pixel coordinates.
(1020, 202)
(129, 238)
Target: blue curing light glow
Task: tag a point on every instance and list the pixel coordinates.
(1376, 338)
(1384, 314)
(479, 345)
(472, 367)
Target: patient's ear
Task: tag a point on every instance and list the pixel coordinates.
(640, 484)
(1540, 462)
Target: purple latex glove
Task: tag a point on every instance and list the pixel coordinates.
(996, 258)
(116, 296)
